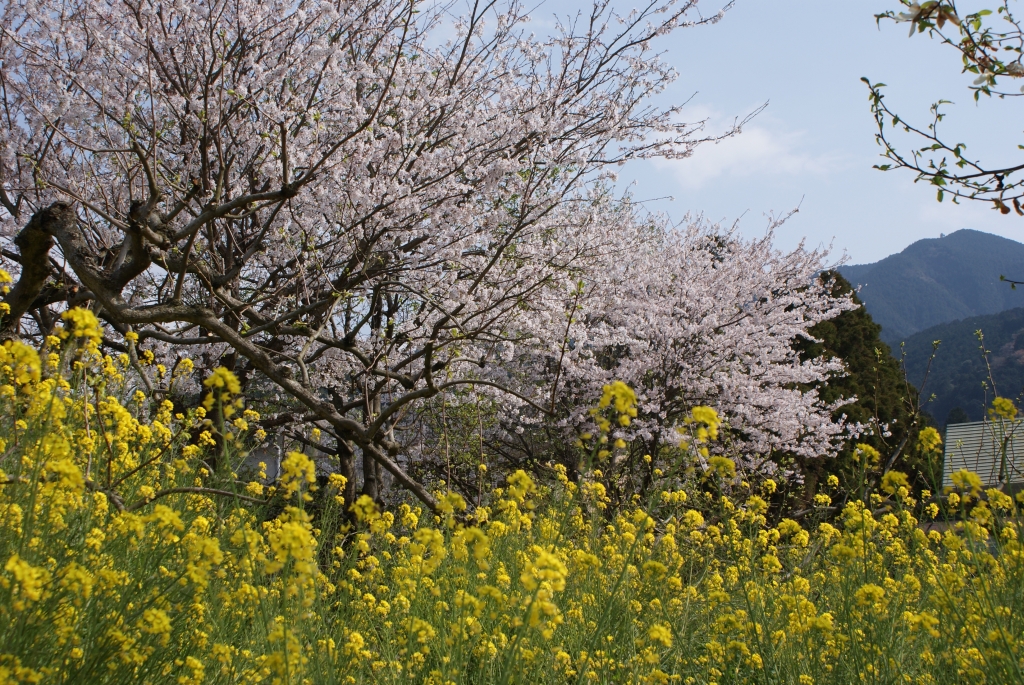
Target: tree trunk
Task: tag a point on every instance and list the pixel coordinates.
(370, 483)
(347, 467)
(34, 242)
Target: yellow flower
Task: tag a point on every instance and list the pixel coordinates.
(355, 645)
(867, 453)
(925, 621)
(791, 529)
(520, 485)
(451, 503)
(545, 568)
(82, 323)
(223, 378)
(365, 509)
(337, 481)
(722, 466)
(661, 633)
(966, 480)
(102, 559)
(428, 549)
(31, 580)
(894, 480)
(1003, 408)
(621, 396)
(929, 440)
(22, 361)
(709, 417)
(155, 622)
(296, 470)
(291, 539)
(869, 595)
(183, 367)
(222, 384)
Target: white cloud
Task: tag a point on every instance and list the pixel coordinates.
(763, 148)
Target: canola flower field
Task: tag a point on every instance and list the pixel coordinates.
(124, 559)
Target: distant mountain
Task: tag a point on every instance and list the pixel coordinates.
(939, 280)
(958, 371)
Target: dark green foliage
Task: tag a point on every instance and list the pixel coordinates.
(959, 378)
(875, 378)
(938, 280)
(957, 415)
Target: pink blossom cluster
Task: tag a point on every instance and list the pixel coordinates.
(695, 315)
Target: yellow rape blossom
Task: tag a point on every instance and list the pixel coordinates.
(81, 324)
(929, 440)
(297, 471)
(29, 581)
(1004, 408)
(660, 633)
(121, 559)
(893, 480)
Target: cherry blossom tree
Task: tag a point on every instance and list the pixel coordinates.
(328, 196)
(704, 317)
(688, 316)
(358, 205)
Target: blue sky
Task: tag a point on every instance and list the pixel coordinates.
(813, 147)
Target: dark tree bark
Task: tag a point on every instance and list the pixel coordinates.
(34, 242)
(347, 467)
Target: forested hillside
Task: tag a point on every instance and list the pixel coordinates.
(959, 377)
(939, 280)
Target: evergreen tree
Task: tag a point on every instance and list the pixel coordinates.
(957, 415)
(886, 404)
